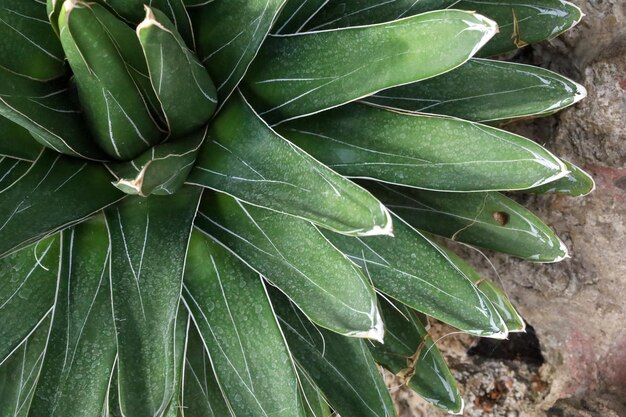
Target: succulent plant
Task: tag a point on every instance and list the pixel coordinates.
(224, 207)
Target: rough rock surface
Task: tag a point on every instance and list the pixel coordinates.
(577, 307)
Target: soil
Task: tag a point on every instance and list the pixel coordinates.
(573, 364)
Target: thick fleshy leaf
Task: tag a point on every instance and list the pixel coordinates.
(182, 84)
(202, 396)
(133, 12)
(293, 255)
(81, 348)
(520, 22)
(410, 353)
(16, 142)
(229, 305)
(183, 324)
(49, 112)
(11, 170)
(27, 286)
(414, 271)
(514, 322)
(342, 367)
(422, 151)
(229, 35)
(576, 183)
(296, 75)
(28, 45)
(20, 372)
(296, 14)
(53, 9)
(149, 238)
(162, 170)
(344, 13)
(485, 90)
(488, 220)
(315, 404)
(57, 191)
(243, 157)
(524, 22)
(114, 106)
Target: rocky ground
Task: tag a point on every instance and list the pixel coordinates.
(574, 363)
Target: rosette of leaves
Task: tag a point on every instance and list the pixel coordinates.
(223, 208)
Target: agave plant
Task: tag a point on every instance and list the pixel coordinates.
(224, 208)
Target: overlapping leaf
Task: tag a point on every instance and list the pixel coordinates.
(488, 220)
(183, 86)
(296, 14)
(484, 90)
(520, 22)
(243, 157)
(296, 257)
(343, 368)
(117, 112)
(305, 73)
(229, 35)
(16, 142)
(81, 345)
(576, 183)
(202, 396)
(412, 270)
(28, 283)
(149, 238)
(57, 191)
(411, 354)
(49, 113)
(247, 350)
(28, 45)
(423, 151)
(19, 374)
(162, 170)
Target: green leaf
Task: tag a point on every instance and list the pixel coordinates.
(149, 238)
(422, 151)
(27, 286)
(229, 35)
(301, 74)
(341, 367)
(117, 112)
(414, 271)
(81, 348)
(53, 9)
(488, 220)
(133, 12)
(342, 13)
(520, 22)
(230, 307)
(524, 22)
(11, 170)
(28, 44)
(410, 353)
(576, 183)
(293, 255)
(248, 160)
(514, 322)
(16, 142)
(162, 170)
(484, 90)
(315, 404)
(57, 191)
(48, 111)
(183, 324)
(202, 394)
(296, 14)
(20, 372)
(182, 84)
